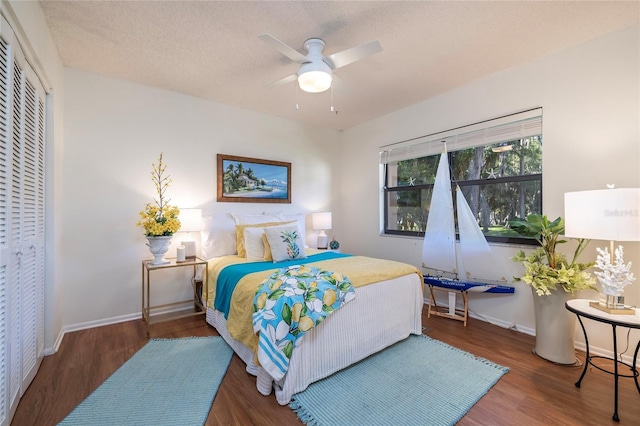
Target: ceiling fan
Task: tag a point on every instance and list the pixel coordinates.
(316, 72)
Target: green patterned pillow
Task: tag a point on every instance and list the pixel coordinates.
(285, 242)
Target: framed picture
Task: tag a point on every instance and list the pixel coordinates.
(250, 180)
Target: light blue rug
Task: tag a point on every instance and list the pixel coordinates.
(418, 381)
(167, 382)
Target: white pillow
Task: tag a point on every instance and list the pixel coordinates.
(300, 218)
(285, 242)
(218, 235)
(252, 219)
(254, 244)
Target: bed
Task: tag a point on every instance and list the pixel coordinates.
(387, 306)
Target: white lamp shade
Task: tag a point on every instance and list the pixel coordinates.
(190, 220)
(607, 214)
(321, 220)
(315, 77)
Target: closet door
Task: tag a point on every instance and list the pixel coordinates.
(31, 228)
(22, 107)
(16, 247)
(5, 255)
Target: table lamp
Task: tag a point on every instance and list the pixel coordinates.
(190, 221)
(321, 221)
(607, 214)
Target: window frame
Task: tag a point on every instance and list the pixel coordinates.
(426, 149)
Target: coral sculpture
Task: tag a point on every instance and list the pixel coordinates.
(614, 277)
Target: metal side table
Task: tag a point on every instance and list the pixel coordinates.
(199, 289)
(581, 308)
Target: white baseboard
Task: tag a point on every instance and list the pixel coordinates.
(113, 320)
(593, 350)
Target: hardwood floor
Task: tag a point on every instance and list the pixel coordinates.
(534, 392)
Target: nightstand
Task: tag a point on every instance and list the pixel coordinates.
(582, 309)
(197, 285)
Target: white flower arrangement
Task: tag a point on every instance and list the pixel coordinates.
(614, 277)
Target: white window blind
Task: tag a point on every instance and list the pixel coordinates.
(508, 128)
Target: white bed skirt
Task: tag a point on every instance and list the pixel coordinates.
(380, 315)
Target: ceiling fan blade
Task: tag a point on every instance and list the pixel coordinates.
(353, 54)
(283, 48)
(287, 79)
(339, 85)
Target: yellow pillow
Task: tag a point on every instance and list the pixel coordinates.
(267, 248)
(240, 234)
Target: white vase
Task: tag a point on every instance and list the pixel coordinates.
(158, 246)
(555, 327)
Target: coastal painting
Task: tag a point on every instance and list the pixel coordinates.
(251, 180)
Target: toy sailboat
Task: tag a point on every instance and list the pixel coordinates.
(440, 251)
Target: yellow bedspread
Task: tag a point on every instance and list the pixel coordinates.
(360, 270)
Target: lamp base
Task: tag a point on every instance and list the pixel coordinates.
(322, 241)
(189, 249)
(613, 311)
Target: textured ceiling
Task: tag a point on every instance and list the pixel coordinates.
(210, 49)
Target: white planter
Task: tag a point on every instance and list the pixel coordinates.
(158, 246)
(555, 327)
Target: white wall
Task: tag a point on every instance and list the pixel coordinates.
(590, 100)
(114, 131)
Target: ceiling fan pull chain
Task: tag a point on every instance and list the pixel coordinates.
(332, 109)
(331, 98)
(297, 105)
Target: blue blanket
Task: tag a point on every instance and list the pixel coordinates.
(290, 302)
(232, 274)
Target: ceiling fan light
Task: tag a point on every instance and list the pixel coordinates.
(314, 81)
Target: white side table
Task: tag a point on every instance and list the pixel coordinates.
(581, 308)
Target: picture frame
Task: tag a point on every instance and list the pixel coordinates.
(252, 180)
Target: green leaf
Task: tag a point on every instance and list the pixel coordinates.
(276, 294)
(344, 287)
(286, 314)
(526, 228)
(557, 226)
(327, 309)
(288, 349)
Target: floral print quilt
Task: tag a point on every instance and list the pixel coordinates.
(290, 302)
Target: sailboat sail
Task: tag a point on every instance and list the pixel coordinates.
(439, 247)
(474, 249)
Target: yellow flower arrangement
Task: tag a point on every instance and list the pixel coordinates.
(160, 219)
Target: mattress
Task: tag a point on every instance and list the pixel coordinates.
(381, 314)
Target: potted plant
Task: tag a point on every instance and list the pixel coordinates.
(553, 280)
(159, 220)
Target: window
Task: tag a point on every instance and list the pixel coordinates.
(497, 164)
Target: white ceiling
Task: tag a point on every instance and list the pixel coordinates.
(210, 49)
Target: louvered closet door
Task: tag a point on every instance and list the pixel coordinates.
(32, 227)
(22, 145)
(5, 254)
(16, 247)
